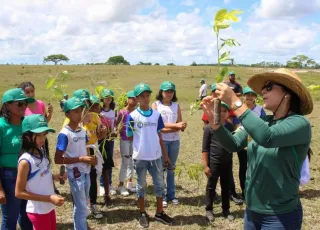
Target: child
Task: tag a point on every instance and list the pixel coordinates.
(71, 151)
(34, 180)
(170, 111)
(108, 111)
(14, 104)
(126, 171)
(143, 127)
(217, 163)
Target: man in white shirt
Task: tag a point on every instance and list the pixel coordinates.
(203, 89)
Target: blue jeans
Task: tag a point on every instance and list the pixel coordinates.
(14, 210)
(109, 145)
(291, 220)
(156, 171)
(172, 148)
(80, 193)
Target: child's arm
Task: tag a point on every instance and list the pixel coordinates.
(206, 149)
(130, 127)
(164, 152)
(20, 190)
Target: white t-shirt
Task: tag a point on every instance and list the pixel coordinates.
(73, 144)
(111, 114)
(169, 114)
(144, 127)
(305, 172)
(39, 182)
(203, 90)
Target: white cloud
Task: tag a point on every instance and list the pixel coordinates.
(286, 8)
(226, 1)
(187, 3)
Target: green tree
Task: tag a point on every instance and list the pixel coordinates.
(300, 61)
(55, 58)
(193, 64)
(117, 60)
(156, 64)
(172, 64)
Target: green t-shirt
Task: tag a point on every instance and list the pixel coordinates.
(10, 143)
(273, 174)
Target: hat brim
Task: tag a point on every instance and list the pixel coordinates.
(28, 99)
(75, 107)
(258, 81)
(43, 129)
(167, 89)
(251, 92)
(149, 91)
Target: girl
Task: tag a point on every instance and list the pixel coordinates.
(108, 110)
(126, 149)
(170, 112)
(14, 104)
(37, 107)
(34, 180)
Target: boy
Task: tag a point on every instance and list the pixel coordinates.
(71, 151)
(143, 128)
(217, 163)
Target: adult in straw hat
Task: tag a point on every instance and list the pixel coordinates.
(277, 150)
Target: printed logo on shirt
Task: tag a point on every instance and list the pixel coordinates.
(45, 172)
(16, 140)
(76, 139)
(163, 112)
(145, 124)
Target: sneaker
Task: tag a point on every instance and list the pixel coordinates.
(101, 191)
(123, 191)
(228, 215)
(95, 212)
(107, 201)
(144, 220)
(236, 199)
(163, 218)
(112, 191)
(209, 215)
(131, 187)
(164, 204)
(175, 201)
(216, 199)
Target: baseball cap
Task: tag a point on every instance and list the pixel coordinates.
(140, 88)
(16, 94)
(167, 85)
(36, 123)
(82, 94)
(130, 94)
(72, 103)
(106, 93)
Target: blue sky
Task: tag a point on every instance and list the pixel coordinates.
(160, 31)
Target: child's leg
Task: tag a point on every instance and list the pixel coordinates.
(211, 186)
(156, 171)
(105, 178)
(110, 145)
(43, 221)
(124, 149)
(141, 167)
(130, 163)
(173, 152)
(93, 192)
(225, 171)
(80, 192)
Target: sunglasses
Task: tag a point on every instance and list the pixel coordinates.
(268, 86)
(20, 103)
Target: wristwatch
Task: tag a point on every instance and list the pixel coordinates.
(237, 105)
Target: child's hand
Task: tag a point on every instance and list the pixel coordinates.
(3, 199)
(50, 109)
(90, 160)
(207, 171)
(180, 125)
(57, 177)
(57, 200)
(167, 161)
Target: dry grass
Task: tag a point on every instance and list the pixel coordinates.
(190, 213)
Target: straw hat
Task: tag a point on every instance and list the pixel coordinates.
(290, 80)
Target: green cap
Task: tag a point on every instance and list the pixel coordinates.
(130, 94)
(247, 90)
(72, 103)
(82, 94)
(65, 95)
(106, 93)
(232, 73)
(213, 87)
(202, 80)
(140, 88)
(94, 99)
(36, 123)
(168, 85)
(225, 105)
(16, 94)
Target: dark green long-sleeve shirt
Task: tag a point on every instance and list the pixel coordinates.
(273, 174)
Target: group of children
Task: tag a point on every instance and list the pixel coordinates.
(84, 148)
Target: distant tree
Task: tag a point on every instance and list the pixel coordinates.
(172, 64)
(193, 64)
(117, 60)
(144, 63)
(301, 61)
(156, 64)
(55, 58)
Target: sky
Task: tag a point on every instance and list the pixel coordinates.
(157, 31)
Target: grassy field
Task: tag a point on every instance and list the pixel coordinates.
(190, 213)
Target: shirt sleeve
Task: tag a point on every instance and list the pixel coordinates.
(160, 123)
(129, 126)
(62, 142)
(263, 113)
(235, 121)
(206, 140)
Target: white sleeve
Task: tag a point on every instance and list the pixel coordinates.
(305, 172)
